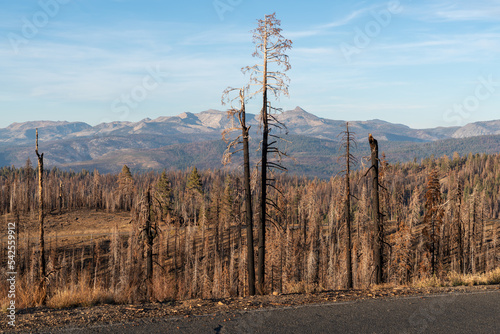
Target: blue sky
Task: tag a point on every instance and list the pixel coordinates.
(420, 63)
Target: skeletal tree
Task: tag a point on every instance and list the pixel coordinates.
(350, 160)
(433, 217)
(270, 46)
(242, 139)
(151, 214)
(60, 197)
(460, 233)
(27, 177)
(378, 255)
(149, 245)
(96, 190)
(41, 216)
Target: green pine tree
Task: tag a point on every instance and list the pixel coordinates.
(164, 190)
(194, 181)
(125, 188)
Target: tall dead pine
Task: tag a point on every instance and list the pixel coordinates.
(41, 216)
(378, 255)
(350, 160)
(149, 245)
(433, 218)
(60, 198)
(148, 217)
(460, 232)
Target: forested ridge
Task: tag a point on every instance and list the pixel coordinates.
(314, 157)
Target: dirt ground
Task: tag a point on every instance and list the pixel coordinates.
(68, 228)
(44, 319)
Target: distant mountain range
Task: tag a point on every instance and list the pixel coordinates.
(195, 139)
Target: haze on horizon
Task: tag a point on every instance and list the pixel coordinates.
(423, 64)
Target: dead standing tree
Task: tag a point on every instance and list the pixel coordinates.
(151, 214)
(460, 233)
(242, 139)
(378, 255)
(41, 216)
(433, 219)
(270, 47)
(150, 234)
(350, 160)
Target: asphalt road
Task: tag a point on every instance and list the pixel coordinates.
(448, 313)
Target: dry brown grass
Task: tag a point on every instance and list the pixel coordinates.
(428, 282)
(28, 294)
(456, 279)
(164, 289)
(295, 287)
(81, 296)
(491, 277)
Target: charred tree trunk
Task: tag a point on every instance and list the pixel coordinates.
(433, 247)
(472, 243)
(41, 217)
(60, 200)
(348, 241)
(460, 231)
(433, 219)
(377, 217)
(248, 208)
(149, 247)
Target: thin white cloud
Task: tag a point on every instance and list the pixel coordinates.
(418, 45)
(303, 33)
(456, 11)
(324, 29)
(347, 19)
(469, 15)
(218, 36)
(483, 47)
(313, 51)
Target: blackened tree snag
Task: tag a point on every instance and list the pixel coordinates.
(41, 216)
(150, 234)
(60, 200)
(350, 160)
(243, 139)
(151, 214)
(377, 216)
(433, 218)
(460, 232)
